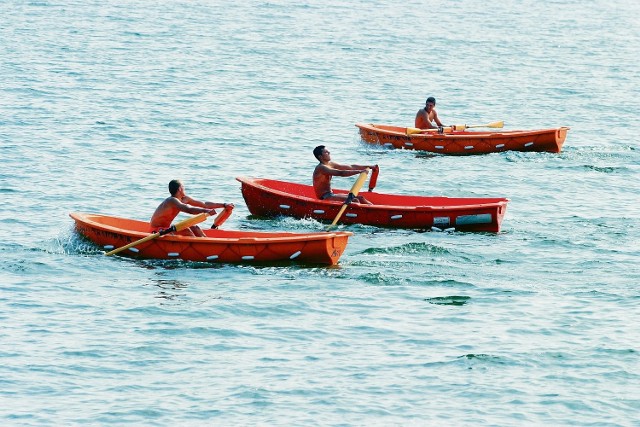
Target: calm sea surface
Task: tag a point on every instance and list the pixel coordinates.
(103, 102)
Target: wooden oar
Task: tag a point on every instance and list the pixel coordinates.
(352, 195)
(500, 124)
(174, 228)
(374, 178)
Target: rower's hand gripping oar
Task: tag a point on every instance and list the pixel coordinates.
(500, 124)
(352, 195)
(174, 228)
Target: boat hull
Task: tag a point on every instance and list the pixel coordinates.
(268, 198)
(465, 142)
(219, 246)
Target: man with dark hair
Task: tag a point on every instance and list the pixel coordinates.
(179, 202)
(327, 169)
(426, 115)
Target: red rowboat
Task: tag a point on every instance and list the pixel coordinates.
(225, 246)
(269, 197)
(464, 142)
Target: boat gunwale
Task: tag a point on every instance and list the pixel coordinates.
(288, 236)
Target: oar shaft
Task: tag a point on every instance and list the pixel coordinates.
(340, 212)
(191, 221)
(130, 245)
(178, 227)
(352, 194)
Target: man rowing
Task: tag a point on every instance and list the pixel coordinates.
(179, 202)
(327, 169)
(428, 114)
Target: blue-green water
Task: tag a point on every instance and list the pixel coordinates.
(102, 103)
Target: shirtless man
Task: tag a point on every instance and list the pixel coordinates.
(179, 202)
(426, 115)
(327, 169)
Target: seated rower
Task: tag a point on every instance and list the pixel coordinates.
(179, 202)
(327, 169)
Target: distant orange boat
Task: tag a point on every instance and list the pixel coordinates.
(220, 246)
(464, 142)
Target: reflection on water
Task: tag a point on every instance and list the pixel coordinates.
(169, 289)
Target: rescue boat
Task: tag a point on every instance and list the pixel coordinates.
(219, 246)
(270, 197)
(463, 142)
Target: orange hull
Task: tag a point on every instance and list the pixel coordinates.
(465, 142)
(220, 246)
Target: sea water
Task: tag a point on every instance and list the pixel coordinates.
(102, 103)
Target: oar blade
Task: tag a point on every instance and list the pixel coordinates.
(222, 217)
(374, 178)
(498, 124)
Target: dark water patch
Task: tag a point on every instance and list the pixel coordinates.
(618, 351)
(171, 292)
(409, 249)
(381, 279)
(604, 169)
(426, 155)
(449, 300)
(524, 157)
(86, 353)
(23, 265)
(472, 361)
(274, 360)
(605, 296)
(174, 264)
(450, 283)
(482, 359)
(600, 152)
(500, 261)
(480, 356)
(390, 278)
(171, 284)
(379, 264)
(132, 416)
(11, 247)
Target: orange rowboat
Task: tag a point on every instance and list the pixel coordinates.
(269, 197)
(220, 246)
(464, 142)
